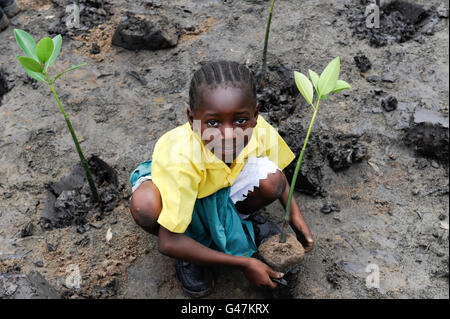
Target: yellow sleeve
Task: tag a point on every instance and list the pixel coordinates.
(178, 183)
(274, 146)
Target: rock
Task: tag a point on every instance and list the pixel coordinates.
(151, 32)
(428, 134)
(96, 225)
(389, 103)
(362, 62)
(282, 257)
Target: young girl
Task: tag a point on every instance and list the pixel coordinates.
(207, 180)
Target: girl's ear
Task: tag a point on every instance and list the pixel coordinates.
(256, 110)
(190, 116)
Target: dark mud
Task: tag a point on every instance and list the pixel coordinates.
(428, 134)
(153, 32)
(70, 202)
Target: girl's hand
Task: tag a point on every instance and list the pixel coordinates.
(303, 233)
(258, 273)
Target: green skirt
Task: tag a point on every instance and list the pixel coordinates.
(215, 221)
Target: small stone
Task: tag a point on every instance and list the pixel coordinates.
(441, 217)
(415, 191)
(39, 264)
(326, 209)
(96, 225)
(81, 229)
(50, 247)
(27, 230)
(434, 164)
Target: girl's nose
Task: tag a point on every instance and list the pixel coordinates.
(228, 133)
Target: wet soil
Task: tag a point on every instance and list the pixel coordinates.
(371, 162)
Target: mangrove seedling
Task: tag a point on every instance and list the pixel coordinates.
(266, 43)
(39, 57)
(327, 83)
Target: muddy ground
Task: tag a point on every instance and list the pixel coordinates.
(388, 210)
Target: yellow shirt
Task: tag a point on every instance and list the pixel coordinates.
(183, 169)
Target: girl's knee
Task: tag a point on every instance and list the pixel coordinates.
(146, 206)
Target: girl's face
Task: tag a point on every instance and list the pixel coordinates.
(226, 117)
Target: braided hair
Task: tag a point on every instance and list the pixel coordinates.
(221, 74)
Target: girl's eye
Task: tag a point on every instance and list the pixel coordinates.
(212, 123)
(241, 121)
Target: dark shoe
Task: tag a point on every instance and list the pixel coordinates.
(264, 228)
(4, 22)
(196, 281)
(10, 7)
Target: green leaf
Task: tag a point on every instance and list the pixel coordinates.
(340, 86)
(35, 75)
(57, 42)
(305, 86)
(315, 80)
(30, 64)
(329, 77)
(44, 49)
(26, 43)
(70, 69)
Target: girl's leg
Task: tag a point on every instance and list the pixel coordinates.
(146, 206)
(269, 190)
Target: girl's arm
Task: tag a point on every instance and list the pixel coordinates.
(297, 221)
(183, 247)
